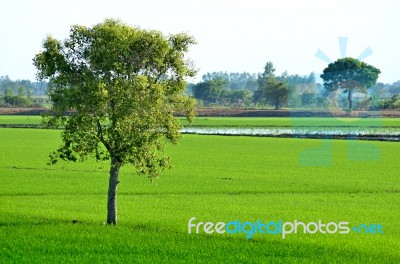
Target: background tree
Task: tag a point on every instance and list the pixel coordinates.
(271, 89)
(22, 92)
(394, 88)
(8, 92)
(239, 98)
(308, 99)
(8, 97)
(264, 76)
(379, 91)
(211, 90)
(275, 92)
(20, 100)
(121, 86)
(33, 88)
(349, 75)
(392, 103)
(233, 80)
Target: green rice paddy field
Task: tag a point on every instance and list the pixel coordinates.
(55, 214)
(253, 121)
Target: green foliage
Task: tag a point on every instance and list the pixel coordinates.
(22, 91)
(240, 98)
(211, 91)
(274, 91)
(234, 80)
(236, 90)
(271, 89)
(267, 73)
(392, 103)
(299, 86)
(349, 75)
(380, 90)
(20, 100)
(309, 99)
(131, 78)
(8, 92)
(216, 92)
(35, 88)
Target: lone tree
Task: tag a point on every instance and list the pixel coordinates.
(275, 92)
(272, 89)
(114, 90)
(350, 75)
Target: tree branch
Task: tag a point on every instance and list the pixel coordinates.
(101, 137)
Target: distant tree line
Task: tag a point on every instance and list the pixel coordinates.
(257, 90)
(240, 90)
(20, 93)
(355, 90)
(385, 96)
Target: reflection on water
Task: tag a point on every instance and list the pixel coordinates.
(353, 133)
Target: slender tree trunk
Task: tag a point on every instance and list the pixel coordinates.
(349, 98)
(112, 192)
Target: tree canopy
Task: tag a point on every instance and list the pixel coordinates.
(350, 75)
(272, 89)
(210, 91)
(275, 92)
(115, 89)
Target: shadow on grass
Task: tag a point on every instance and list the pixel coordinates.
(22, 220)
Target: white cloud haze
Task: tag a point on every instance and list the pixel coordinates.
(233, 36)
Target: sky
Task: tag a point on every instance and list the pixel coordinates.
(232, 35)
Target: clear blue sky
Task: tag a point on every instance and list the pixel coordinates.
(232, 35)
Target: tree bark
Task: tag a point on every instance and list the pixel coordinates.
(349, 98)
(112, 192)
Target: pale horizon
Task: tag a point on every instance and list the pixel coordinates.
(232, 36)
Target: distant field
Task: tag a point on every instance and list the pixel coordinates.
(215, 178)
(252, 121)
(15, 119)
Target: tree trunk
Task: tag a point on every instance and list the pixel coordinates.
(112, 192)
(349, 98)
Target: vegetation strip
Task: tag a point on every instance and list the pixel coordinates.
(283, 132)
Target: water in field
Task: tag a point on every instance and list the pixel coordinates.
(391, 134)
